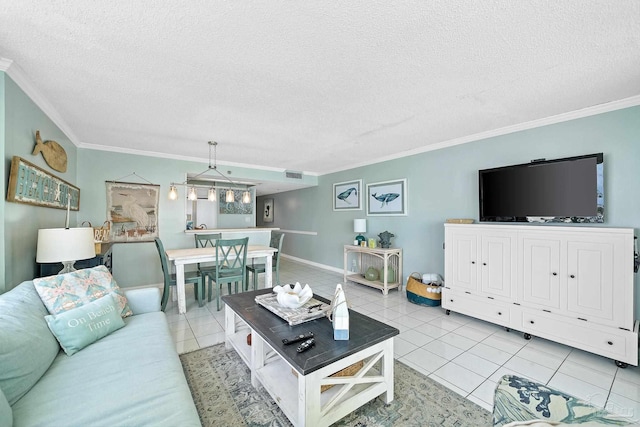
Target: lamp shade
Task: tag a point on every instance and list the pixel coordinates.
(359, 225)
(65, 244)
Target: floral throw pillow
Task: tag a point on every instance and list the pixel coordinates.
(71, 290)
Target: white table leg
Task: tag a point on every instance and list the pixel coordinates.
(182, 303)
(257, 357)
(387, 370)
(229, 326)
(268, 279)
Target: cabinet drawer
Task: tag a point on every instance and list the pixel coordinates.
(613, 343)
(476, 306)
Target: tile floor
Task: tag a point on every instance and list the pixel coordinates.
(465, 354)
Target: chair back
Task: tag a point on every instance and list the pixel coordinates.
(207, 240)
(276, 242)
(165, 271)
(231, 259)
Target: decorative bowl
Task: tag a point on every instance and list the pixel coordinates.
(293, 296)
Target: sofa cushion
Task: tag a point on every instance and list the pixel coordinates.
(27, 347)
(132, 377)
(75, 329)
(518, 399)
(67, 291)
(6, 416)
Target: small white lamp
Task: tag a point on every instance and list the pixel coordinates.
(65, 245)
(360, 226)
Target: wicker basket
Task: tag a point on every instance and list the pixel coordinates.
(423, 293)
(346, 372)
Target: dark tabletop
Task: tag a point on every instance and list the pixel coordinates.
(363, 332)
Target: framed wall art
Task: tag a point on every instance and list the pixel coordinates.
(32, 185)
(267, 213)
(347, 196)
(133, 211)
(387, 198)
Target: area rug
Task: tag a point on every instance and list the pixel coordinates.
(221, 387)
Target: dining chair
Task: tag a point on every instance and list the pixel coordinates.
(206, 241)
(255, 269)
(190, 277)
(231, 261)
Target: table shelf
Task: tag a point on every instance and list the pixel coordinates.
(382, 259)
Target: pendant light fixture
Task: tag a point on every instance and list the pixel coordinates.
(192, 193)
(173, 192)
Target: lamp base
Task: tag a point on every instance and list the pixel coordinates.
(360, 238)
(68, 267)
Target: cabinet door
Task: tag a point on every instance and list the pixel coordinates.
(498, 264)
(540, 271)
(590, 281)
(461, 251)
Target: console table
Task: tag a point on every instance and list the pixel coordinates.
(382, 259)
(293, 379)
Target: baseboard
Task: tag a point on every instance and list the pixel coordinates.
(314, 264)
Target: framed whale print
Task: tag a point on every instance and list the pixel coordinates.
(387, 198)
(347, 196)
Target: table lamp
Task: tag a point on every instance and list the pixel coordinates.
(65, 245)
(360, 226)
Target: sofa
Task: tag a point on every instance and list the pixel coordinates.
(130, 377)
(519, 401)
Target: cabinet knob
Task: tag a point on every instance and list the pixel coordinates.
(451, 300)
(610, 342)
(554, 273)
(532, 322)
(573, 276)
(484, 263)
(473, 262)
(499, 313)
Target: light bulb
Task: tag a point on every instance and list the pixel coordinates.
(192, 194)
(173, 193)
(246, 197)
(212, 195)
(230, 197)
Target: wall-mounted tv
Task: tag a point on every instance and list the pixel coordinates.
(561, 190)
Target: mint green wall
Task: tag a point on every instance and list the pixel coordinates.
(443, 184)
(22, 117)
(3, 190)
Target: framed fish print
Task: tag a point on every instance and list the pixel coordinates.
(387, 198)
(347, 196)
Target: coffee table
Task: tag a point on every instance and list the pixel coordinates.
(294, 379)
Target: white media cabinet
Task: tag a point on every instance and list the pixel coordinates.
(572, 285)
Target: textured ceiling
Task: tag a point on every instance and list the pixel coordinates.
(315, 86)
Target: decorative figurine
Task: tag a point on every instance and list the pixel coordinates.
(385, 239)
(340, 315)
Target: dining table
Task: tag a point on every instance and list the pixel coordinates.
(182, 257)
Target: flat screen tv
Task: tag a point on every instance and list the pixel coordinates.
(561, 190)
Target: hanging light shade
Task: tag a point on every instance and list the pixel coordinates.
(173, 193)
(212, 195)
(192, 194)
(230, 197)
(246, 197)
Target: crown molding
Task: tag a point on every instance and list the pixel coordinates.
(559, 118)
(20, 78)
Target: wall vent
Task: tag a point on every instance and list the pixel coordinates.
(293, 175)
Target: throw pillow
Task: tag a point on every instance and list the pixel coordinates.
(75, 329)
(71, 290)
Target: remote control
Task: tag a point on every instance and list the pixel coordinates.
(297, 338)
(306, 345)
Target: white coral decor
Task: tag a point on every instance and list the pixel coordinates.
(293, 297)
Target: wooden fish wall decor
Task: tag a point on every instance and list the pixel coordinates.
(53, 153)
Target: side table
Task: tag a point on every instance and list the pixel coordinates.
(382, 259)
